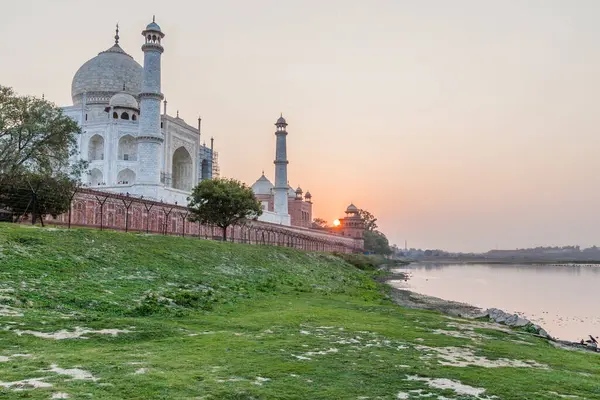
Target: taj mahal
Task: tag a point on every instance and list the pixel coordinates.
(134, 146)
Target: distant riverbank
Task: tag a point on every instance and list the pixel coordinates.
(515, 261)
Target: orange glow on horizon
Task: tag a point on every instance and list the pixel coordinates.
(336, 222)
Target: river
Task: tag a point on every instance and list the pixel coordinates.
(564, 300)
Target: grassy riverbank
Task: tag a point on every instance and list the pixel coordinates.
(106, 315)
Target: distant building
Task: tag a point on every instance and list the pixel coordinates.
(352, 225)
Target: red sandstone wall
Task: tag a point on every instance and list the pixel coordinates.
(112, 211)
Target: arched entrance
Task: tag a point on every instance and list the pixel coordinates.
(182, 169)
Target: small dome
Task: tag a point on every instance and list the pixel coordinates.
(262, 185)
(308, 195)
(299, 190)
(351, 209)
(153, 26)
(124, 100)
(281, 121)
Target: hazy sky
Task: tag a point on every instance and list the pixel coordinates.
(463, 124)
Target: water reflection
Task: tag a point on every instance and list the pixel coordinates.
(562, 299)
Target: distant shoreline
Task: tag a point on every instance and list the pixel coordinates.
(549, 263)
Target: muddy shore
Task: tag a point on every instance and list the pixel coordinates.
(408, 299)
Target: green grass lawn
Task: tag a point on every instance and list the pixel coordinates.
(107, 315)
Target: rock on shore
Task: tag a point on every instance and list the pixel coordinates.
(512, 320)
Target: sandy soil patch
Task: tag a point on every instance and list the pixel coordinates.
(78, 333)
(8, 358)
(463, 357)
(564, 396)
(33, 383)
(141, 371)
(8, 311)
(260, 380)
(448, 384)
(76, 374)
(60, 396)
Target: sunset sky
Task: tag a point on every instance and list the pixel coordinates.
(464, 125)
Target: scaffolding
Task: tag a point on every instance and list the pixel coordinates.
(216, 171)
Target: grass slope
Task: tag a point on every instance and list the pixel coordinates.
(206, 320)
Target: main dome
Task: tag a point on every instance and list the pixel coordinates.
(104, 75)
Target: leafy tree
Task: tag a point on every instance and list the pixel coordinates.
(38, 194)
(223, 202)
(35, 135)
(320, 223)
(376, 242)
(369, 220)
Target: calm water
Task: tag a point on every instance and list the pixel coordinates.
(563, 300)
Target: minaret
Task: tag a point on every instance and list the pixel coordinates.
(150, 137)
(281, 162)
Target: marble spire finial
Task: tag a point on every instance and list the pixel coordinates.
(117, 34)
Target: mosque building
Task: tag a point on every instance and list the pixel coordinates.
(130, 145)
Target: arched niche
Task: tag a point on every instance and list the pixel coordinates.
(96, 177)
(127, 148)
(182, 169)
(126, 177)
(96, 148)
(204, 170)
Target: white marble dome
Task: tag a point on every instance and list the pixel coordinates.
(262, 185)
(123, 100)
(104, 75)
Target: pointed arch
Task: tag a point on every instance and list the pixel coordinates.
(96, 148)
(127, 148)
(182, 169)
(126, 177)
(96, 177)
(204, 170)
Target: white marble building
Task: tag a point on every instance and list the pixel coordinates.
(130, 144)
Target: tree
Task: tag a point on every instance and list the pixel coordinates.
(38, 194)
(320, 223)
(376, 242)
(368, 219)
(223, 202)
(35, 136)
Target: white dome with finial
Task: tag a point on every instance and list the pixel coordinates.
(262, 185)
(104, 75)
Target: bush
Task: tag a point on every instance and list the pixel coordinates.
(368, 262)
